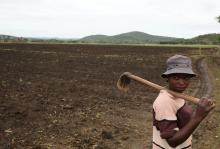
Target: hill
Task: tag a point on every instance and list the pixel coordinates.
(8, 38)
(127, 38)
(201, 39)
(134, 37)
(207, 38)
(2, 37)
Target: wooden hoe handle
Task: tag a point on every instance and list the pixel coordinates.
(158, 87)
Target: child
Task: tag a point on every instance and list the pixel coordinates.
(173, 119)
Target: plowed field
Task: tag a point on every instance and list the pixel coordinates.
(65, 96)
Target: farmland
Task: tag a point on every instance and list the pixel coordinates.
(64, 96)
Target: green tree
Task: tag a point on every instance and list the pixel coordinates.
(218, 18)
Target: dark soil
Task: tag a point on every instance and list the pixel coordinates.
(65, 96)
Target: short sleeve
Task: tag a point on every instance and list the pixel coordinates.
(165, 108)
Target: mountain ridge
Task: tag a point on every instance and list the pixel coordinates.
(129, 37)
(133, 37)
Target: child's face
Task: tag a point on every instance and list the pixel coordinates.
(178, 82)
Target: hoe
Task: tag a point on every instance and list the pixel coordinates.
(126, 77)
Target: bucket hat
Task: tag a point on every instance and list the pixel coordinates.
(179, 64)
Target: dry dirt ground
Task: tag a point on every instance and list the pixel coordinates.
(65, 96)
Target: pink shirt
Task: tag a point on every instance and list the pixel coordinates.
(169, 115)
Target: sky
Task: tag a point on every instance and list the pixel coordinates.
(80, 18)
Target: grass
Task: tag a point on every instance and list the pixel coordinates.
(159, 45)
(150, 45)
(184, 45)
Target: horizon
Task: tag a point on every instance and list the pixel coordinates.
(99, 34)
